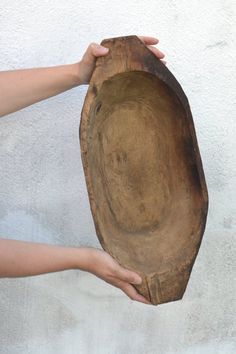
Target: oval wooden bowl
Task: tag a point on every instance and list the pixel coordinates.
(143, 168)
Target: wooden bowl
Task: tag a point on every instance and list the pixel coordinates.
(143, 168)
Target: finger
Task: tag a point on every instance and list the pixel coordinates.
(128, 276)
(157, 52)
(148, 40)
(94, 50)
(132, 293)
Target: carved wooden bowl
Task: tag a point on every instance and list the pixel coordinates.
(143, 169)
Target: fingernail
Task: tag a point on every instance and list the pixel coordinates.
(138, 280)
(104, 49)
(147, 302)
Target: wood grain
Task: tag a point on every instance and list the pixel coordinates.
(143, 168)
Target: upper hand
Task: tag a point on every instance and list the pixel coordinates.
(86, 66)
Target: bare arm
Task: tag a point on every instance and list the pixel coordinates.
(22, 88)
(20, 259)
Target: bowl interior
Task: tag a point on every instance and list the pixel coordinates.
(143, 171)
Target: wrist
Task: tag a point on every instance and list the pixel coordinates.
(82, 72)
(83, 258)
(76, 74)
(73, 71)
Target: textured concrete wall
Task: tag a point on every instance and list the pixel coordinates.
(43, 194)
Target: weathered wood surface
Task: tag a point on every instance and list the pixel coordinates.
(143, 168)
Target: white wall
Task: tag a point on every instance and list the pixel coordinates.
(43, 195)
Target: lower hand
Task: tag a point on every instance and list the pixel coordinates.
(105, 267)
(86, 66)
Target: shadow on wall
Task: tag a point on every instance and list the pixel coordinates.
(27, 312)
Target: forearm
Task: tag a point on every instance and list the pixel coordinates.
(19, 259)
(21, 88)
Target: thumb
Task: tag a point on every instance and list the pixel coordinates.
(98, 50)
(94, 50)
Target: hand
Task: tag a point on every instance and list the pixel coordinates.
(86, 66)
(105, 267)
